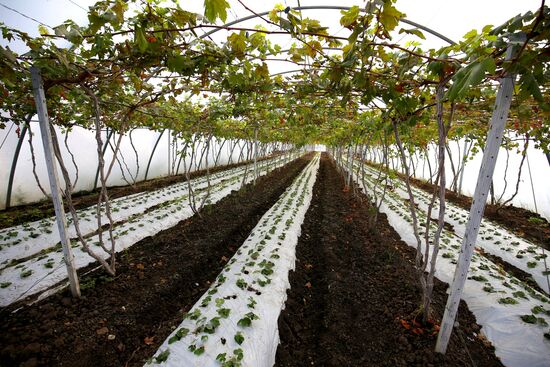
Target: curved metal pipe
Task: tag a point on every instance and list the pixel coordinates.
(287, 72)
(152, 153)
(14, 162)
(327, 7)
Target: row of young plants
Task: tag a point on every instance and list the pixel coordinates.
(493, 238)
(514, 317)
(235, 322)
(44, 269)
(143, 64)
(30, 238)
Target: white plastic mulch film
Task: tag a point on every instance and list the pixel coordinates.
(236, 320)
(513, 315)
(33, 260)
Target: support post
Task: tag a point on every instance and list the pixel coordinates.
(45, 132)
(484, 178)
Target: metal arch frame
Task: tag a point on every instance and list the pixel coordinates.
(205, 35)
(327, 7)
(153, 153)
(287, 72)
(15, 159)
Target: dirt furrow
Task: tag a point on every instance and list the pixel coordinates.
(352, 288)
(122, 321)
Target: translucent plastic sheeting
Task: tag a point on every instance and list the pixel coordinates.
(83, 146)
(540, 170)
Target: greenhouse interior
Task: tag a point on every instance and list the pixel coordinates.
(230, 183)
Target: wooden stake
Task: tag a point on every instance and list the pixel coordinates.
(42, 111)
(492, 146)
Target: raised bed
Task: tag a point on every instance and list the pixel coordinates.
(235, 322)
(514, 316)
(33, 257)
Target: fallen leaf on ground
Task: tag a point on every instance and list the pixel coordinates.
(102, 331)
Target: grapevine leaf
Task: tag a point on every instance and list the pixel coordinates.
(349, 16)
(529, 85)
(413, 31)
(140, 40)
(214, 9)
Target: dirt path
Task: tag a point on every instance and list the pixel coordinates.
(351, 289)
(123, 321)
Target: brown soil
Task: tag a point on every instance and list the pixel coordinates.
(511, 217)
(352, 288)
(83, 199)
(524, 276)
(158, 279)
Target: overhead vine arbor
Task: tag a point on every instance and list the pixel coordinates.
(152, 64)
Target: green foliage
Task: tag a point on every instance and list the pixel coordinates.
(163, 356)
(470, 76)
(224, 312)
(26, 273)
(246, 321)
(479, 278)
(508, 301)
(182, 332)
(214, 9)
(239, 338)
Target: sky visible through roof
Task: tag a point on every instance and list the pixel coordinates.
(450, 18)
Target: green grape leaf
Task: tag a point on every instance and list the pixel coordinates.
(214, 9)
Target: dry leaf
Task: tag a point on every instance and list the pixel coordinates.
(308, 285)
(104, 330)
(149, 340)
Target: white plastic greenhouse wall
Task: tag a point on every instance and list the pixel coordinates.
(539, 175)
(83, 146)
